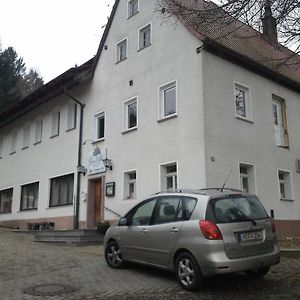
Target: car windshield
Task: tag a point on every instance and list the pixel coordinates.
(235, 208)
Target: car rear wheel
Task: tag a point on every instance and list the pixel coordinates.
(113, 255)
(188, 272)
(258, 273)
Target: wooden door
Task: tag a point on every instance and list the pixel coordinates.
(97, 202)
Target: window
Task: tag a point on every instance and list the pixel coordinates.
(122, 50)
(100, 126)
(130, 185)
(280, 122)
(242, 102)
(71, 116)
(26, 133)
(14, 138)
(167, 100)
(285, 188)
(38, 131)
(61, 190)
(130, 114)
(247, 179)
(6, 200)
(169, 176)
(169, 210)
(145, 37)
(55, 124)
(143, 214)
(1, 146)
(29, 196)
(133, 7)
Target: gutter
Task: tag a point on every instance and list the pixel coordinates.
(79, 155)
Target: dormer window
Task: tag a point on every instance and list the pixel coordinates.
(133, 8)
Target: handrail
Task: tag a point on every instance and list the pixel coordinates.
(112, 211)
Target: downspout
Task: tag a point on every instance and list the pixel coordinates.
(81, 105)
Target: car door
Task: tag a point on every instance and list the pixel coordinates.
(159, 239)
(133, 237)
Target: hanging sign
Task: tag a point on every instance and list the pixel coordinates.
(96, 164)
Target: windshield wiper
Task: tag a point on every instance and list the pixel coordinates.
(244, 220)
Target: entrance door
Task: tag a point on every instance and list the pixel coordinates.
(97, 201)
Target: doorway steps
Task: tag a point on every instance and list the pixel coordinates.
(80, 237)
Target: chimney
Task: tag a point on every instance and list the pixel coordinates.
(269, 24)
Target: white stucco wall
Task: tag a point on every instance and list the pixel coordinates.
(231, 140)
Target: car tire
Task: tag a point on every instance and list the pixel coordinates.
(258, 273)
(188, 273)
(113, 255)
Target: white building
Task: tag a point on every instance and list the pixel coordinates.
(170, 108)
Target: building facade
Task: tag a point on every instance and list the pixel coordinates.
(162, 110)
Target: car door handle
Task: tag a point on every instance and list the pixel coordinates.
(174, 229)
(144, 230)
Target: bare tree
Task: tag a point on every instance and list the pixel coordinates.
(221, 18)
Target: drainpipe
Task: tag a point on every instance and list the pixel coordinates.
(81, 105)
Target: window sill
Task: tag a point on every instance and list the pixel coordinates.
(70, 129)
(129, 130)
(144, 47)
(244, 119)
(168, 117)
(98, 140)
(24, 148)
(129, 199)
(132, 15)
(119, 61)
(60, 205)
(287, 200)
(11, 153)
(36, 143)
(53, 136)
(27, 209)
(283, 147)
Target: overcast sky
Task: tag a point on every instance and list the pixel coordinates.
(53, 35)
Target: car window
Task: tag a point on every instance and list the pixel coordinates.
(142, 216)
(168, 210)
(189, 206)
(235, 209)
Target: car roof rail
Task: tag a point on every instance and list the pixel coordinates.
(220, 189)
(195, 191)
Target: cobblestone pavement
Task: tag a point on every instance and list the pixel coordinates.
(26, 265)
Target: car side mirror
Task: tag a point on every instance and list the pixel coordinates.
(123, 222)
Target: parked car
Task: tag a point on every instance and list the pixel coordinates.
(196, 234)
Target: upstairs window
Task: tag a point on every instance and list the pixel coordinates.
(280, 122)
(1, 146)
(122, 50)
(29, 196)
(38, 131)
(242, 102)
(168, 100)
(26, 134)
(130, 114)
(6, 200)
(100, 126)
(71, 116)
(55, 124)
(145, 37)
(133, 7)
(13, 145)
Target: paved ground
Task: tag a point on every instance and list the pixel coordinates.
(28, 267)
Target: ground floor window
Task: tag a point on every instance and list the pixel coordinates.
(130, 185)
(6, 200)
(247, 179)
(29, 196)
(169, 176)
(285, 187)
(61, 190)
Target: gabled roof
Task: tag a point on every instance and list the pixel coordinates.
(244, 45)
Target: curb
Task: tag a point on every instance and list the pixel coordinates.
(291, 253)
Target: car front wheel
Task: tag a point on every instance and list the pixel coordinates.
(258, 273)
(113, 255)
(188, 272)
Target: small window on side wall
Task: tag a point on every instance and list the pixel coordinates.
(168, 176)
(100, 126)
(133, 8)
(130, 114)
(55, 123)
(168, 95)
(145, 37)
(38, 131)
(285, 186)
(242, 102)
(247, 179)
(130, 185)
(122, 50)
(71, 116)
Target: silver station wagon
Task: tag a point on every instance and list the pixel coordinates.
(196, 234)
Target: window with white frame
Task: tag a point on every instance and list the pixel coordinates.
(247, 179)
(285, 187)
(280, 121)
(71, 116)
(38, 130)
(167, 99)
(26, 134)
(133, 7)
(55, 122)
(1, 146)
(130, 114)
(130, 185)
(13, 145)
(61, 190)
(6, 200)
(145, 37)
(100, 126)
(29, 196)
(169, 176)
(242, 101)
(122, 50)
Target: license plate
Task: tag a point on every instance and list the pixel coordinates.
(251, 236)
